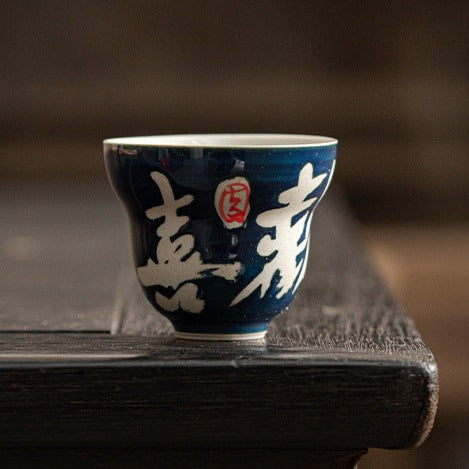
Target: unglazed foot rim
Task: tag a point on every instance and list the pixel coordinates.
(213, 337)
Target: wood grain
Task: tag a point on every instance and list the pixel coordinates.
(58, 246)
(178, 458)
(343, 369)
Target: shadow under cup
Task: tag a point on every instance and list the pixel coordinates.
(220, 223)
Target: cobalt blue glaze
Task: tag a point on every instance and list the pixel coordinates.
(227, 292)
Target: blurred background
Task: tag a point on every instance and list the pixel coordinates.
(388, 79)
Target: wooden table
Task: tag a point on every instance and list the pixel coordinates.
(89, 373)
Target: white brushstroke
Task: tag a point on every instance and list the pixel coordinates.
(170, 270)
(285, 244)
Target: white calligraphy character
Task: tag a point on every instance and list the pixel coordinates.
(171, 270)
(291, 237)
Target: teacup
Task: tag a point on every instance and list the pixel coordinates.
(220, 223)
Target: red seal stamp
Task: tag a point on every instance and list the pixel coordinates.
(232, 201)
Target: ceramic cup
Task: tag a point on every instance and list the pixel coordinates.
(220, 223)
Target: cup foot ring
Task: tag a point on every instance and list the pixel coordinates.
(219, 337)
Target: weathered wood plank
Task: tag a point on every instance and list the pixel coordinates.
(239, 400)
(178, 458)
(58, 246)
(344, 368)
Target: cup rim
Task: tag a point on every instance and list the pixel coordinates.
(234, 140)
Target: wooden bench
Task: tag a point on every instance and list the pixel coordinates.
(89, 373)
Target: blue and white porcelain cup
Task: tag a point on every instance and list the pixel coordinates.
(220, 223)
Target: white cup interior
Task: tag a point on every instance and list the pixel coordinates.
(226, 141)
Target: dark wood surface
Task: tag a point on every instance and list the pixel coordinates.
(343, 369)
(177, 458)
